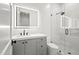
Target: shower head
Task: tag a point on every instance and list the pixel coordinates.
(61, 13)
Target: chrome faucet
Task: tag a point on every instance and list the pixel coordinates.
(23, 32)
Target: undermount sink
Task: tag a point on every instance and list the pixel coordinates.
(28, 36)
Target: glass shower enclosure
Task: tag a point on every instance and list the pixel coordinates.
(65, 27)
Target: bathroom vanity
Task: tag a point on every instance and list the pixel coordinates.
(29, 45)
(27, 18)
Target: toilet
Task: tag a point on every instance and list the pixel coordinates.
(53, 49)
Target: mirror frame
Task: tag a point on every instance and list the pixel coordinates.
(14, 19)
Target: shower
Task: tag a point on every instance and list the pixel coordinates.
(61, 13)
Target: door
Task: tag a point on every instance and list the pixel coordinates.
(30, 47)
(18, 47)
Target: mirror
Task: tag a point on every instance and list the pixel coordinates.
(22, 18)
(25, 17)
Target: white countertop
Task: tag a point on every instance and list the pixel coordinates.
(19, 37)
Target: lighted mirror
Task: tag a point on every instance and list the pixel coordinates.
(25, 17)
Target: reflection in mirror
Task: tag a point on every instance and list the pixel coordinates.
(23, 18)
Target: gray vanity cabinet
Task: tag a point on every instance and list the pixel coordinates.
(18, 47)
(30, 47)
(41, 46)
(34, 46)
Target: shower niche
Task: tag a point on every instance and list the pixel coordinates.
(24, 17)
